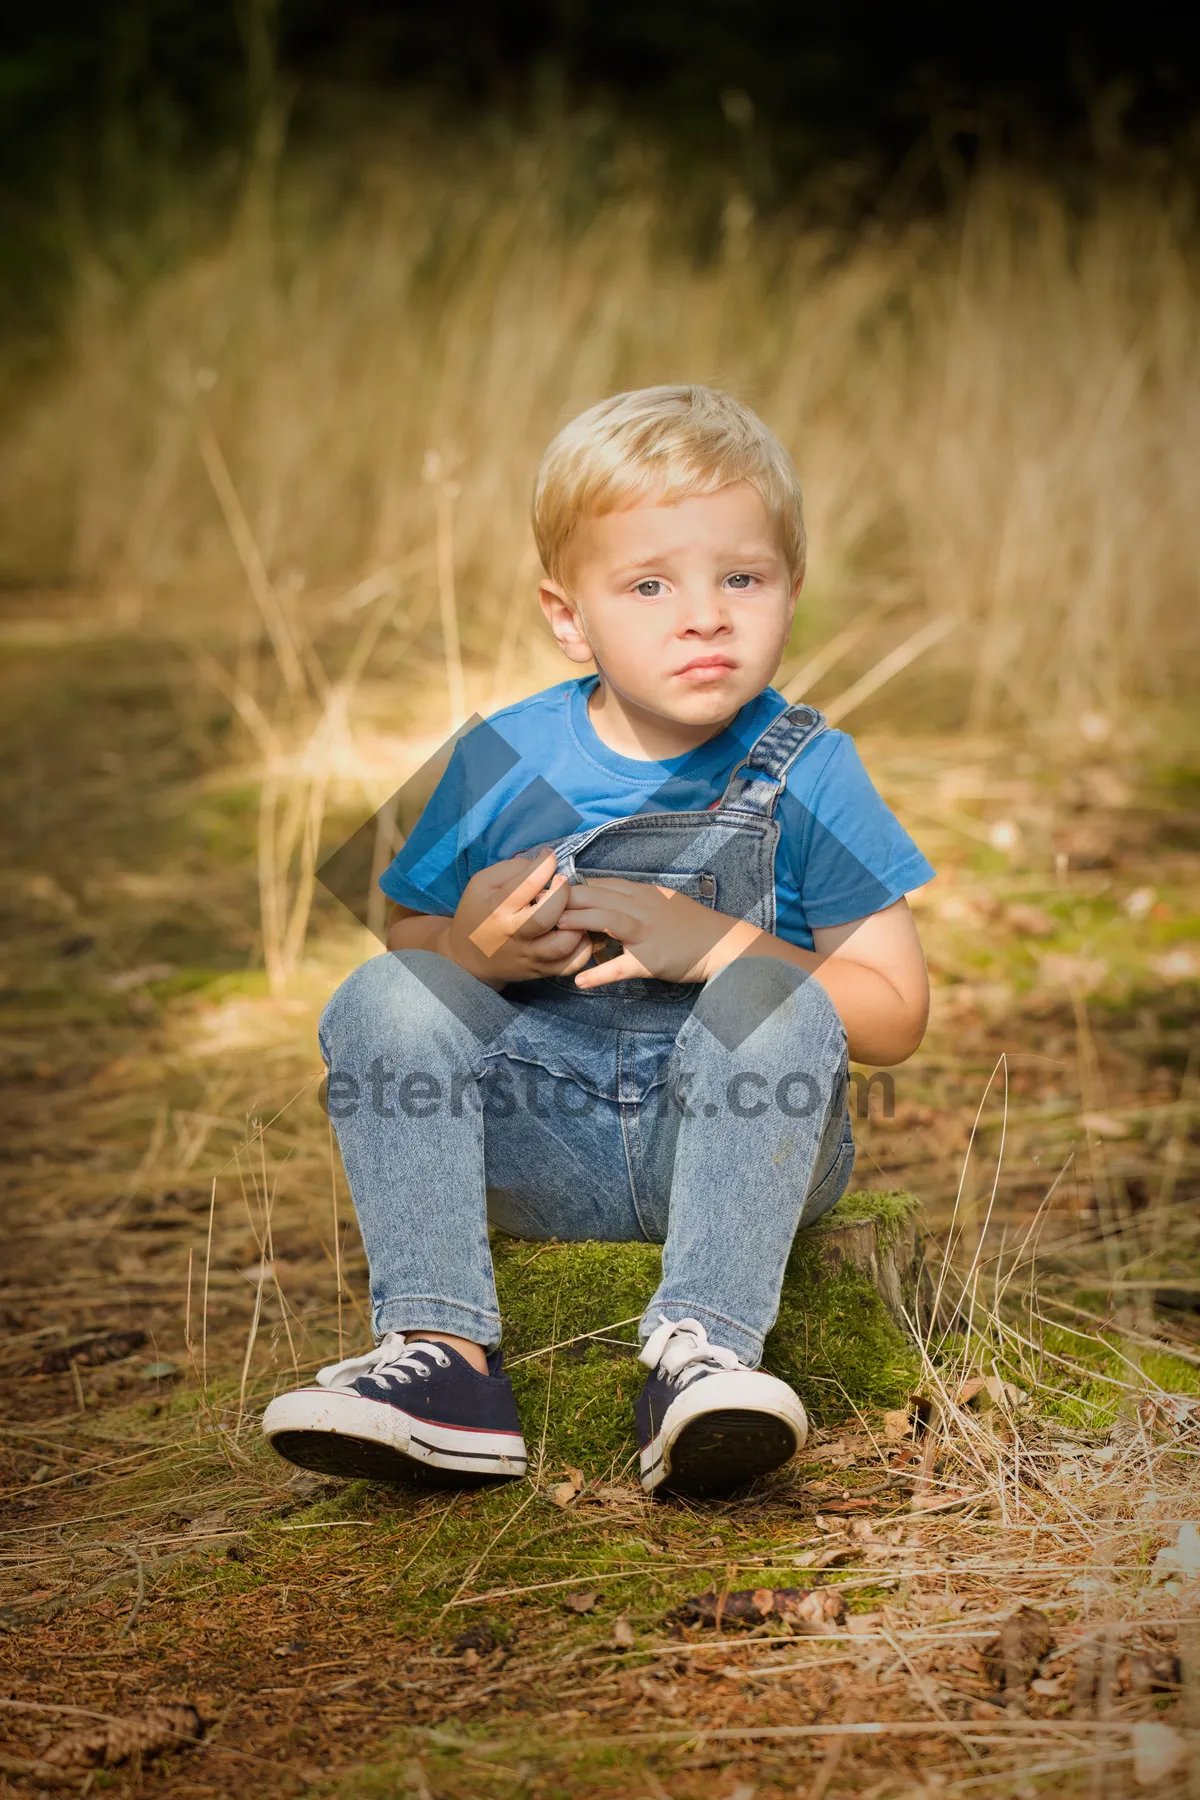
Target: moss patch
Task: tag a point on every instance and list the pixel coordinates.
(834, 1340)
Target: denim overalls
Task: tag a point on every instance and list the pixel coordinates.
(710, 1117)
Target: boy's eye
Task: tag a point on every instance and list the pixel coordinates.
(741, 580)
(650, 589)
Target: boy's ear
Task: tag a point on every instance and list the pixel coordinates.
(563, 618)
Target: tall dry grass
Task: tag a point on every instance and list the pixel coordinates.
(995, 417)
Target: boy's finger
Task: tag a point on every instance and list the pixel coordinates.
(602, 916)
(555, 944)
(499, 924)
(621, 968)
(544, 910)
(580, 960)
(620, 884)
(537, 878)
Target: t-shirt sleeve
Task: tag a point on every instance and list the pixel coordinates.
(428, 872)
(850, 856)
(489, 803)
(445, 822)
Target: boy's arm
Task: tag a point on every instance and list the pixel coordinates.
(409, 930)
(873, 970)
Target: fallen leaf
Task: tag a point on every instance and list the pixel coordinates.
(1030, 921)
(1061, 970)
(310, 1487)
(1011, 1660)
(859, 1624)
(958, 909)
(622, 1634)
(831, 1556)
(1089, 844)
(112, 1346)
(582, 1602)
(206, 1523)
(258, 1273)
(935, 1498)
(115, 1740)
(1157, 1752)
(1177, 1410)
(897, 1426)
(125, 979)
(1156, 1672)
(1180, 1558)
(606, 1493)
(159, 1371)
(982, 1392)
(811, 1609)
(567, 1490)
(1103, 1125)
(1179, 964)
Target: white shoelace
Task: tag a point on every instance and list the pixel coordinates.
(680, 1351)
(392, 1359)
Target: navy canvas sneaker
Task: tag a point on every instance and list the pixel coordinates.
(406, 1406)
(706, 1422)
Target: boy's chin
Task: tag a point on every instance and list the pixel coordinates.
(705, 705)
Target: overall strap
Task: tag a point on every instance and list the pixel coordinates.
(758, 780)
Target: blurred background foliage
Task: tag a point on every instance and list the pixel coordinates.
(283, 283)
(104, 106)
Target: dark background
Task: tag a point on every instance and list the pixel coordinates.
(100, 102)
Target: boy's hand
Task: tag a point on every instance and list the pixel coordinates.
(506, 927)
(662, 933)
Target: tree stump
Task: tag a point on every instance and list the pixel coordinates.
(875, 1235)
(570, 1313)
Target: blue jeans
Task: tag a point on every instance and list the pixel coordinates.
(455, 1105)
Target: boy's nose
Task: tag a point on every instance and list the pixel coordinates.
(704, 611)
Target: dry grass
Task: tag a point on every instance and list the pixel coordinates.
(291, 472)
(992, 414)
(154, 1554)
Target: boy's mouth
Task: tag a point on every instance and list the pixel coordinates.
(706, 668)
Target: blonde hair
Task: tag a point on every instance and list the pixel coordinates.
(669, 443)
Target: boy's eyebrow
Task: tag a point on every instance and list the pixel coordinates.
(760, 553)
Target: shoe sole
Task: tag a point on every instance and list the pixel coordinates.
(707, 1444)
(351, 1436)
(722, 1451)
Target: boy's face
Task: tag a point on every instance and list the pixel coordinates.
(685, 608)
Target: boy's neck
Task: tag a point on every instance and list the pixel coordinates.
(646, 736)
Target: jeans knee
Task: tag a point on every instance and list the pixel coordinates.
(808, 1005)
(770, 997)
(404, 996)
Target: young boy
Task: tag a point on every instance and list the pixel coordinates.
(639, 926)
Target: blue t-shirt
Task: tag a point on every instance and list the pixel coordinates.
(536, 771)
